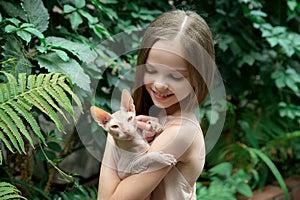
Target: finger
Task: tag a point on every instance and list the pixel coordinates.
(149, 134)
(144, 126)
(143, 118)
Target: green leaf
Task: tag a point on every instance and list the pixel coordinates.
(54, 63)
(89, 17)
(24, 35)
(9, 191)
(13, 9)
(75, 20)
(55, 147)
(34, 31)
(273, 169)
(244, 189)
(36, 14)
(10, 29)
(81, 51)
(223, 169)
(79, 3)
(63, 55)
(68, 8)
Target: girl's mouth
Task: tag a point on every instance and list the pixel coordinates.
(161, 97)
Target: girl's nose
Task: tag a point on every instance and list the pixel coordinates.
(159, 85)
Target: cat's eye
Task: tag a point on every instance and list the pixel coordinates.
(114, 126)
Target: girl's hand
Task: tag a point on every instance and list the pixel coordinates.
(149, 125)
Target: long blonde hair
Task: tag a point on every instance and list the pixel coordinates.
(197, 44)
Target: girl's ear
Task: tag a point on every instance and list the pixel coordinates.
(127, 102)
(100, 116)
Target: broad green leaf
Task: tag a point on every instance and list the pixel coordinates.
(13, 52)
(244, 189)
(13, 9)
(36, 14)
(89, 17)
(68, 8)
(53, 63)
(82, 51)
(224, 169)
(79, 3)
(75, 20)
(34, 31)
(10, 29)
(63, 55)
(24, 35)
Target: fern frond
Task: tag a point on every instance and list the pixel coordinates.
(46, 92)
(48, 98)
(22, 82)
(9, 191)
(74, 96)
(29, 118)
(43, 106)
(2, 94)
(60, 97)
(4, 140)
(12, 131)
(18, 121)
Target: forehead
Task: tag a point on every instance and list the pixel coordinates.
(167, 53)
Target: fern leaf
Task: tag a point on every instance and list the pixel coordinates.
(18, 121)
(59, 97)
(47, 78)
(48, 98)
(22, 82)
(24, 104)
(34, 99)
(31, 82)
(9, 191)
(10, 136)
(39, 80)
(4, 140)
(10, 124)
(29, 118)
(1, 94)
(74, 97)
(47, 92)
(12, 84)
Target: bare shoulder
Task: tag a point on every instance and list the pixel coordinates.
(179, 138)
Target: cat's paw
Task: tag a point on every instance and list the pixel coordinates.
(163, 158)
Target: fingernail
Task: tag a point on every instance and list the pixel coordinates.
(148, 127)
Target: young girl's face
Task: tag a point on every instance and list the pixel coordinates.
(166, 75)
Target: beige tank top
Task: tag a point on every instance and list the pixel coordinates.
(174, 186)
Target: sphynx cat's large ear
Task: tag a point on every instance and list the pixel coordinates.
(127, 101)
(100, 116)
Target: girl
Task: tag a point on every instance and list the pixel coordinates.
(174, 72)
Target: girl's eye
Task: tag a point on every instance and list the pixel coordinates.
(149, 70)
(176, 77)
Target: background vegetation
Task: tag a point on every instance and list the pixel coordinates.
(49, 49)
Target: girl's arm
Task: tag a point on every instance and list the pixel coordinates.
(109, 178)
(174, 140)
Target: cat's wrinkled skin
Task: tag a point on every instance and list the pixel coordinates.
(131, 145)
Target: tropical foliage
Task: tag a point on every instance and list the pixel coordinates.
(53, 63)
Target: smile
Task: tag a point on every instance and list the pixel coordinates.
(161, 96)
